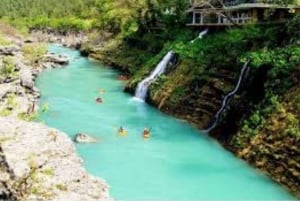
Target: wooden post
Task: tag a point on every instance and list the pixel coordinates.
(194, 17)
(201, 18)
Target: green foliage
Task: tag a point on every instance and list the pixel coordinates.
(34, 52)
(28, 117)
(48, 171)
(62, 24)
(292, 126)
(126, 17)
(61, 187)
(11, 101)
(50, 8)
(3, 41)
(33, 116)
(281, 58)
(224, 47)
(45, 107)
(282, 62)
(9, 105)
(177, 95)
(293, 29)
(5, 112)
(30, 183)
(297, 102)
(70, 15)
(8, 68)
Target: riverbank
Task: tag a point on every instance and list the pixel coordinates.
(34, 158)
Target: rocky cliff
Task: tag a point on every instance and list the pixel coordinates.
(275, 149)
(40, 163)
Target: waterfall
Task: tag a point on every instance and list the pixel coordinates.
(142, 88)
(227, 97)
(201, 34)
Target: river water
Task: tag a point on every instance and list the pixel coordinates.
(176, 163)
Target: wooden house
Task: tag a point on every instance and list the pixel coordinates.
(237, 12)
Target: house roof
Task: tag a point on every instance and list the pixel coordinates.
(204, 6)
(258, 5)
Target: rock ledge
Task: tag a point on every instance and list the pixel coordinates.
(60, 175)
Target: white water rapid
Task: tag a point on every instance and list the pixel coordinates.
(141, 91)
(227, 97)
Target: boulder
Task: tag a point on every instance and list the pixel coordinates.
(84, 138)
(26, 78)
(57, 59)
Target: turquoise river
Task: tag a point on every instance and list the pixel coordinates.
(177, 163)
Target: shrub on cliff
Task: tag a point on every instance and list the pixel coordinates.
(34, 52)
(3, 40)
(293, 30)
(7, 69)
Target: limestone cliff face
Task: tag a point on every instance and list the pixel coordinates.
(178, 92)
(40, 163)
(275, 149)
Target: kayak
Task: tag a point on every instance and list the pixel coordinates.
(122, 133)
(146, 136)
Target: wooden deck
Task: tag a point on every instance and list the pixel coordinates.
(231, 24)
(210, 25)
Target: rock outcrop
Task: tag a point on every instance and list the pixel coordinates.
(44, 164)
(73, 40)
(57, 59)
(17, 92)
(26, 78)
(84, 138)
(275, 149)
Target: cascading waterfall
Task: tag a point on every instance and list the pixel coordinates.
(227, 98)
(201, 34)
(143, 86)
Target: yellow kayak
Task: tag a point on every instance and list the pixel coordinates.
(146, 136)
(122, 133)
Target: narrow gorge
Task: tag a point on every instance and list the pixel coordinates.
(162, 100)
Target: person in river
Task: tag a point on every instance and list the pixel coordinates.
(146, 133)
(99, 100)
(121, 131)
(101, 91)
